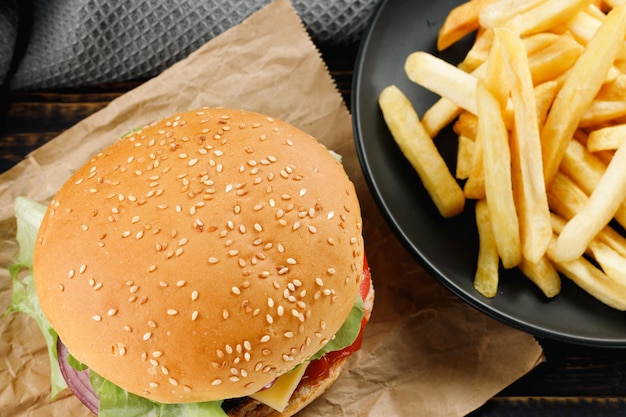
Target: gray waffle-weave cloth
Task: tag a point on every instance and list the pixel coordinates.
(86, 42)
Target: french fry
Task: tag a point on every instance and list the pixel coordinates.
(584, 25)
(544, 95)
(479, 52)
(600, 112)
(500, 12)
(608, 138)
(580, 86)
(543, 274)
(597, 212)
(612, 263)
(550, 62)
(419, 149)
(474, 187)
(466, 125)
(464, 156)
(445, 79)
(608, 235)
(486, 275)
(613, 91)
(460, 22)
(496, 79)
(546, 16)
(614, 3)
(444, 111)
(538, 41)
(498, 183)
(587, 171)
(591, 279)
(440, 115)
(532, 201)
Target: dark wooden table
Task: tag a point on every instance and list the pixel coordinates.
(574, 381)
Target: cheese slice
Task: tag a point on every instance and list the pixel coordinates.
(277, 396)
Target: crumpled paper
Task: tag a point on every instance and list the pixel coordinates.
(425, 352)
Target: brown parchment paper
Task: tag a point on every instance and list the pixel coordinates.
(425, 352)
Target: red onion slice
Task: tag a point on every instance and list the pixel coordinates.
(77, 381)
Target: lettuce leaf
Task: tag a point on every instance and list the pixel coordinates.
(29, 215)
(115, 402)
(348, 332)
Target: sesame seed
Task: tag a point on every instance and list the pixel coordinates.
(194, 315)
(96, 318)
(236, 290)
(112, 312)
(147, 336)
(173, 381)
(216, 382)
(172, 312)
(213, 260)
(265, 338)
(194, 295)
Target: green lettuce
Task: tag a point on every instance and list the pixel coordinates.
(115, 401)
(348, 332)
(29, 215)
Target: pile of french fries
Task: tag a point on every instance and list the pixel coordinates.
(538, 106)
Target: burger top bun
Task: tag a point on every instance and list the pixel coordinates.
(202, 256)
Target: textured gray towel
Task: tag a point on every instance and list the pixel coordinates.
(8, 35)
(79, 42)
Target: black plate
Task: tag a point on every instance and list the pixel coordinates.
(447, 248)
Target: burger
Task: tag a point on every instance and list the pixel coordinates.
(211, 263)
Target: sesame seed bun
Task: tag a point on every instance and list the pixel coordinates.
(201, 257)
